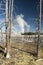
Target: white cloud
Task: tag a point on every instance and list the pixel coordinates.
(20, 20)
(2, 24)
(20, 24)
(14, 30)
(2, 20)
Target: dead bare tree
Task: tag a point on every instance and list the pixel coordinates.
(8, 26)
(7, 47)
(39, 28)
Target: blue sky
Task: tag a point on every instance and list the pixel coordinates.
(29, 9)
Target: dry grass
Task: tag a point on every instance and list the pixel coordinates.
(19, 57)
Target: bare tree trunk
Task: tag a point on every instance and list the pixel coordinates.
(7, 48)
(39, 28)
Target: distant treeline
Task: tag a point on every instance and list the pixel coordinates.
(31, 33)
